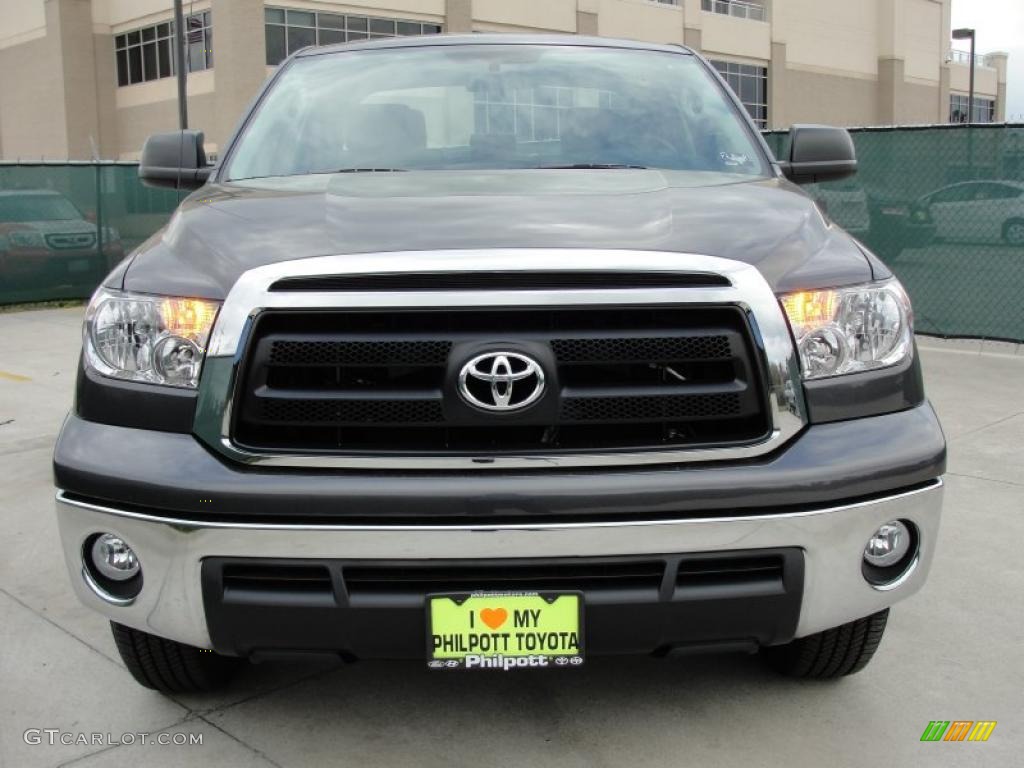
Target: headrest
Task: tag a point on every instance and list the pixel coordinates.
(392, 128)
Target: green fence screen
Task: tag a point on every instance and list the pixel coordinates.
(64, 226)
(943, 206)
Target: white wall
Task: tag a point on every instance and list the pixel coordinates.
(839, 36)
(640, 20)
(21, 21)
(108, 13)
(553, 15)
(111, 13)
(736, 37)
(425, 10)
(923, 39)
(985, 80)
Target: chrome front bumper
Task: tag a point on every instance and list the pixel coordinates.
(171, 551)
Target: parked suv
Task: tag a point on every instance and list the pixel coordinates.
(497, 352)
(48, 247)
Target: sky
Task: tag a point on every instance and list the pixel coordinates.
(1000, 27)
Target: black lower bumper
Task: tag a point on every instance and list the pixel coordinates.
(651, 604)
(176, 476)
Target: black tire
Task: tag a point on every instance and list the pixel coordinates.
(830, 654)
(169, 666)
(1013, 232)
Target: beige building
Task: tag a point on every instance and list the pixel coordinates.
(92, 78)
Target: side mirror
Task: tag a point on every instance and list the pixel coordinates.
(176, 160)
(819, 153)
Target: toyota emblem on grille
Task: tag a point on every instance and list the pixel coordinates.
(501, 381)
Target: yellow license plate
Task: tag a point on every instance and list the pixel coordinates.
(504, 630)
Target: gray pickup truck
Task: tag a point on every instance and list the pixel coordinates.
(497, 352)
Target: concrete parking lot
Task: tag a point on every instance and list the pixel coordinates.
(953, 652)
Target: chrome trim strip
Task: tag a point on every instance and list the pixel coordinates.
(251, 295)
(62, 498)
(903, 577)
(102, 594)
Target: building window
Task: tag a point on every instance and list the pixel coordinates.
(289, 30)
(984, 109)
(535, 114)
(750, 83)
(736, 8)
(148, 53)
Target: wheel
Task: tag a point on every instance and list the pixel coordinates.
(832, 653)
(169, 666)
(1013, 232)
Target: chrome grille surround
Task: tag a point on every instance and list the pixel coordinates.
(748, 290)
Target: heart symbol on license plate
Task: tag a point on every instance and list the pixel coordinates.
(493, 617)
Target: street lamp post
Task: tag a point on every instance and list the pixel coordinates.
(966, 33)
(181, 40)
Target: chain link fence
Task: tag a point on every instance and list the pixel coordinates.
(64, 226)
(943, 206)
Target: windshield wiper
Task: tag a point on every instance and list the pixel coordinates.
(591, 166)
(369, 170)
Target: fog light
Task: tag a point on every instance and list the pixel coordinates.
(888, 545)
(113, 558)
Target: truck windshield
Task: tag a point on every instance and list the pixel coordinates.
(495, 107)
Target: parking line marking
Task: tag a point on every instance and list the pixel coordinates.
(13, 376)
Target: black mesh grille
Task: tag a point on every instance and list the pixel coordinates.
(659, 407)
(382, 383)
(337, 412)
(672, 348)
(351, 353)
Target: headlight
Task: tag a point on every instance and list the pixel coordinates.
(155, 339)
(848, 330)
(20, 239)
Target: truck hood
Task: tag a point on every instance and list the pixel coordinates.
(225, 229)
